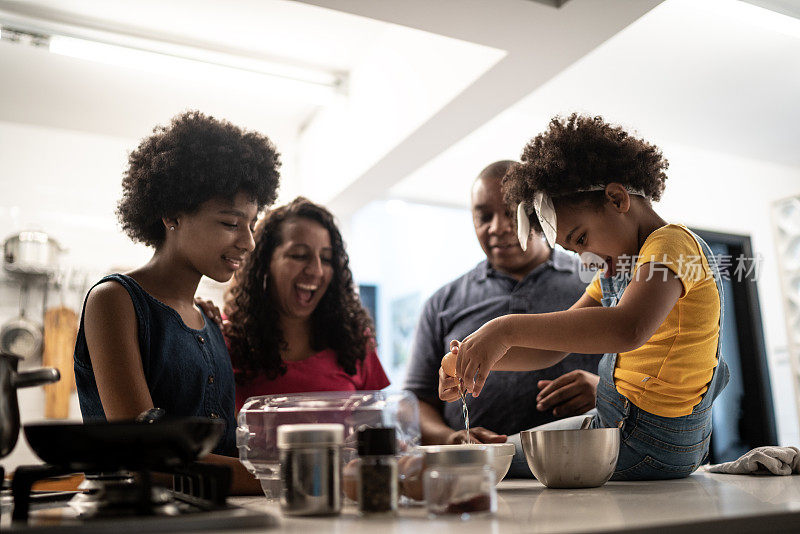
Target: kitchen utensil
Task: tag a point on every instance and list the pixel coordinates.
(60, 331)
(10, 381)
(500, 454)
(21, 336)
(31, 252)
(572, 458)
(99, 445)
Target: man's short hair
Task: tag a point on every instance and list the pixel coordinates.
(497, 170)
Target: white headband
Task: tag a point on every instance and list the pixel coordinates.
(546, 213)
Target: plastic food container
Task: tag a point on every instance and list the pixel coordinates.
(459, 482)
(260, 417)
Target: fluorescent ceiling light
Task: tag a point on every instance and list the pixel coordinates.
(198, 62)
(314, 87)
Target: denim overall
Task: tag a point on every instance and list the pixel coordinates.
(654, 447)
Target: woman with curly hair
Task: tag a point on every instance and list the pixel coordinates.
(192, 192)
(655, 309)
(295, 321)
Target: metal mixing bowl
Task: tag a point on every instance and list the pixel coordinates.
(572, 458)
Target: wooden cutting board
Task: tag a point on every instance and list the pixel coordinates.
(60, 331)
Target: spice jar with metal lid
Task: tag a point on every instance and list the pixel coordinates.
(459, 481)
(310, 457)
(377, 471)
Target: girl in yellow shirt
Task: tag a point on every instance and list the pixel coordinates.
(655, 309)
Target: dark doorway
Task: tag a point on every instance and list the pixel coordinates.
(743, 414)
(369, 299)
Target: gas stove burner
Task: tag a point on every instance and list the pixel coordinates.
(122, 502)
(124, 498)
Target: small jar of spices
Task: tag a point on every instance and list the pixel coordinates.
(377, 471)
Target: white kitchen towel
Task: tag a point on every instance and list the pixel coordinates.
(762, 461)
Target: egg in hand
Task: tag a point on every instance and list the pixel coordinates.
(449, 363)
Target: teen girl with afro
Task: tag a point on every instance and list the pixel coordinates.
(191, 192)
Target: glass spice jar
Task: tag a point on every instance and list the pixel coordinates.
(459, 482)
(310, 456)
(377, 471)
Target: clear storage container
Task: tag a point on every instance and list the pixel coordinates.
(260, 417)
(459, 482)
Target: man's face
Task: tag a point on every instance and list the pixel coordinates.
(496, 231)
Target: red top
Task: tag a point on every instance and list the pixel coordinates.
(320, 372)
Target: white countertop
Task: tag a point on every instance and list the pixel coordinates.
(704, 502)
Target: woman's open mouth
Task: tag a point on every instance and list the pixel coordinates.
(305, 293)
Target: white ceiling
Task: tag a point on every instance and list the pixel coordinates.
(56, 91)
(682, 71)
(281, 28)
(397, 77)
(539, 42)
(692, 73)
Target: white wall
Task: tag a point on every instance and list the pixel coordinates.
(66, 183)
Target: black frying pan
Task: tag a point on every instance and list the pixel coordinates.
(99, 446)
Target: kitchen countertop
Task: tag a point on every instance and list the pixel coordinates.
(703, 502)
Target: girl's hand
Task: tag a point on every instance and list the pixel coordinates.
(448, 387)
(478, 354)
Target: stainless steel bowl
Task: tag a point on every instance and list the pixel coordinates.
(572, 458)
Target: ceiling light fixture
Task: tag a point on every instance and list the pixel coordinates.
(198, 62)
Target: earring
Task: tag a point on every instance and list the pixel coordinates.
(171, 227)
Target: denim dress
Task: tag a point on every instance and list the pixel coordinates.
(188, 371)
(655, 447)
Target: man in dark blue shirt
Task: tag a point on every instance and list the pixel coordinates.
(509, 281)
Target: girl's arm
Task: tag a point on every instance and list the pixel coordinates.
(112, 338)
(515, 358)
(519, 358)
(644, 306)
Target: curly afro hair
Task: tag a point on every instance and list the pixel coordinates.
(194, 159)
(581, 152)
(339, 322)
